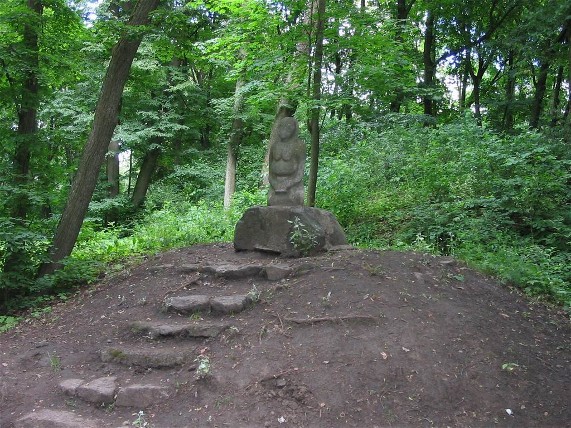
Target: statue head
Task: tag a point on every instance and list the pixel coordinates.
(287, 128)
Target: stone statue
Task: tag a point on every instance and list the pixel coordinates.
(287, 161)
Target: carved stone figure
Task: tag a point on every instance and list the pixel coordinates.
(287, 161)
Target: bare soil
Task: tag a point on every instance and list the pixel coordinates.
(349, 338)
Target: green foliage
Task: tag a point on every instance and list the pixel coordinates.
(301, 237)
(499, 202)
(8, 322)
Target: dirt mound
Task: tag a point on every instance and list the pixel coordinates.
(349, 338)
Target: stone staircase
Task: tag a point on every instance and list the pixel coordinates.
(158, 343)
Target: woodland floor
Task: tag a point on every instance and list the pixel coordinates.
(349, 338)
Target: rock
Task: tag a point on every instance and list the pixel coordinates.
(69, 386)
(141, 396)
(447, 261)
(234, 271)
(46, 418)
(147, 357)
(162, 329)
(277, 272)
(270, 229)
(189, 268)
(419, 277)
(230, 304)
(187, 304)
(98, 391)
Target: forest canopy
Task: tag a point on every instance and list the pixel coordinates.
(130, 127)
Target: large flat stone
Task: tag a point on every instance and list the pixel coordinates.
(231, 271)
(141, 396)
(277, 272)
(46, 418)
(98, 391)
(69, 386)
(230, 304)
(157, 329)
(187, 305)
(270, 229)
(147, 357)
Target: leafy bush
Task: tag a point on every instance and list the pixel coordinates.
(499, 202)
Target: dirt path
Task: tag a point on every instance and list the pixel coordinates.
(206, 337)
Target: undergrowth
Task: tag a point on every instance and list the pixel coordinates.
(498, 202)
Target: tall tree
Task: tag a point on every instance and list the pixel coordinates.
(314, 126)
(104, 123)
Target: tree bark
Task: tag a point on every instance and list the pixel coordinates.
(429, 64)
(236, 133)
(556, 100)
(148, 168)
(567, 115)
(316, 108)
(27, 110)
(104, 123)
(113, 169)
(477, 82)
(540, 88)
(403, 10)
(508, 119)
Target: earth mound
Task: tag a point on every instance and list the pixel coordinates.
(208, 337)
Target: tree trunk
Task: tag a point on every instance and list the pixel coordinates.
(429, 64)
(104, 123)
(403, 10)
(540, 88)
(556, 101)
(567, 115)
(316, 109)
(27, 111)
(113, 169)
(236, 133)
(148, 168)
(508, 119)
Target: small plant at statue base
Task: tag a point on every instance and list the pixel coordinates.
(254, 294)
(510, 367)
(203, 369)
(55, 362)
(326, 300)
(302, 238)
(141, 420)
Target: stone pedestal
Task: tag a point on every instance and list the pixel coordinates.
(270, 229)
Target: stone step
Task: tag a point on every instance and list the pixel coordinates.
(187, 305)
(272, 272)
(105, 391)
(100, 391)
(142, 396)
(158, 329)
(46, 418)
(151, 357)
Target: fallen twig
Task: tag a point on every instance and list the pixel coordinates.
(186, 284)
(330, 319)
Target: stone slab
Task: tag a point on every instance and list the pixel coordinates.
(46, 418)
(277, 272)
(69, 386)
(156, 329)
(141, 396)
(146, 357)
(230, 304)
(187, 305)
(98, 391)
(270, 228)
(231, 271)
